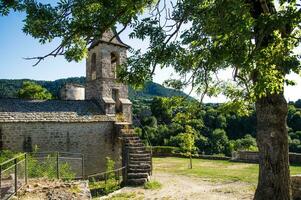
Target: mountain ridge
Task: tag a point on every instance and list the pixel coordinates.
(9, 88)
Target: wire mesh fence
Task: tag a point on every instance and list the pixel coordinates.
(16, 172)
(62, 165)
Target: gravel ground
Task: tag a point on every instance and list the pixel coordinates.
(179, 187)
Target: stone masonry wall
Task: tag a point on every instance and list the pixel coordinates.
(105, 78)
(95, 140)
(253, 156)
(72, 92)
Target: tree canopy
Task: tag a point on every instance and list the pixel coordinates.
(31, 90)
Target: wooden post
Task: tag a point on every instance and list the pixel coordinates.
(57, 166)
(16, 175)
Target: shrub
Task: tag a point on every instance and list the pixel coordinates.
(47, 167)
(99, 186)
(165, 150)
(110, 164)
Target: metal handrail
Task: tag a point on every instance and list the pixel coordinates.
(51, 152)
(12, 159)
(102, 173)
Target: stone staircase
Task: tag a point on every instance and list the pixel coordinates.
(139, 164)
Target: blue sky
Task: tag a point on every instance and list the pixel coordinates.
(15, 46)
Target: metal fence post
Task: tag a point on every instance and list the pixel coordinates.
(0, 181)
(118, 176)
(26, 168)
(16, 176)
(83, 164)
(57, 165)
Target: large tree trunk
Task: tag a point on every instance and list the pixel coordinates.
(272, 140)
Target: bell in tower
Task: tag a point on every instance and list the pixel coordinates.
(104, 57)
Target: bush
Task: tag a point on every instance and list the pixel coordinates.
(110, 165)
(47, 167)
(40, 167)
(165, 150)
(99, 187)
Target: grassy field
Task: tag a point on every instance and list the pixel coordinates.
(213, 170)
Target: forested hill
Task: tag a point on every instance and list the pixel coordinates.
(9, 88)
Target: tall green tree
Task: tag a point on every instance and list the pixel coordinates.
(31, 90)
(198, 38)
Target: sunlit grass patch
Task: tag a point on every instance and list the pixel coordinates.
(213, 170)
(152, 185)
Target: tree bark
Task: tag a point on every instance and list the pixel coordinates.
(272, 141)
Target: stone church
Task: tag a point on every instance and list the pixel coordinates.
(96, 126)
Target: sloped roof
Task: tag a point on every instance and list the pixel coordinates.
(18, 110)
(107, 38)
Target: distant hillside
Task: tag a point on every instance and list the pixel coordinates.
(9, 88)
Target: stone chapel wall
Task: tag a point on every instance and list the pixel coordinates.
(95, 140)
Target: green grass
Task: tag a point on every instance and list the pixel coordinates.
(152, 185)
(100, 188)
(213, 170)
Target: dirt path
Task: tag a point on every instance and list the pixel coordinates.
(178, 187)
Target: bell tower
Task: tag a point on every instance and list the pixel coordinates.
(104, 57)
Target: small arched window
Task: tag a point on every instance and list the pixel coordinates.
(114, 63)
(93, 66)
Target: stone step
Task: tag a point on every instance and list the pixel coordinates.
(135, 182)
(137, 170)
(134, 145)
(129, 135)
(139, 155)
(137, 151)
(142, 166)
(137, 175)
(131, 138)
(133, 162)
(140, 159)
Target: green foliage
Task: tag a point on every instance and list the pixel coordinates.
(217, 141)
(247, 143)
(141, 98)
(106, 184)
(110, 166)
(6, 155)
(165, 149)
(31, 90)
(47, 167)
(100, 188)
(152, 185)
(39, 167)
